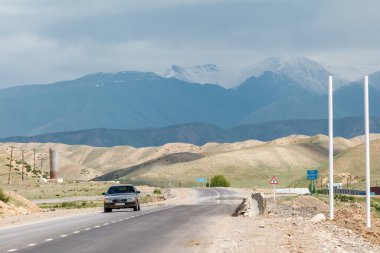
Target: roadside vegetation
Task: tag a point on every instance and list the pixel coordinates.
(72, 205)
(219, 180)
(4, 197)
(34, 190)
(343, 200)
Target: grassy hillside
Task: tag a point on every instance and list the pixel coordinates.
(349, 166)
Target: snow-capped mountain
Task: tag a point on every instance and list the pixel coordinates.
(350, 72)
(208, 73)
(310, 74)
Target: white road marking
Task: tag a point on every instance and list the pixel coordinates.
(113, 221)
(217, 194)
(105, 224)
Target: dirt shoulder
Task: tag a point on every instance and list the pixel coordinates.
(288, 228)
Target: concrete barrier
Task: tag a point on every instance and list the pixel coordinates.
(261, 202)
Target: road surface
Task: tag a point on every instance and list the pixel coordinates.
(153, 229)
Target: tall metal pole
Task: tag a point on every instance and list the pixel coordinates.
(367, 154)
(10, 166)
(42, 161)
(22, 172)
(331, 150)
(34, 161)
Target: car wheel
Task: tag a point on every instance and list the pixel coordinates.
(136, 207)
(107, 210)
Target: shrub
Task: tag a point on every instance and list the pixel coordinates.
(375, 205)
(3, 196)
(344, 198)
(219, 180)
(157, 191)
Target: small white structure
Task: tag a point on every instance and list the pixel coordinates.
(42, 180)
(335, 186)
(301, 191)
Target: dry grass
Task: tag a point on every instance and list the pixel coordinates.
(287, 159)
(33, 190)
(350, 166)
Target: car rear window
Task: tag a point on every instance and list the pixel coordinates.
(120, 189)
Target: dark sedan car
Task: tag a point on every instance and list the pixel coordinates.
(121, 196)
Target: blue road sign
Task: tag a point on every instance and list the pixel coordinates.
(201, 180)
(312, 174)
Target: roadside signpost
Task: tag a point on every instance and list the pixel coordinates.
(312, 175)
(202, 180)
(273, 182)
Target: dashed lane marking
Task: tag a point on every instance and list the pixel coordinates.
(98, 226)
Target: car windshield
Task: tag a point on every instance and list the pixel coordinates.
(120, 189)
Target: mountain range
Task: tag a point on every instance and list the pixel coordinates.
(201, 133)
(276, 90)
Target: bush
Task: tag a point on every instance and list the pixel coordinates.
(157, 191)
(3, 196)
(219, 180)
(344, 198)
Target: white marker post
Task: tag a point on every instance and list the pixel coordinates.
(331, 149)
(273, 182)
(367, 154)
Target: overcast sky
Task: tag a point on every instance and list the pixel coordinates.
(45, 41)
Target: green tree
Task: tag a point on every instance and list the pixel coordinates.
(219, 180)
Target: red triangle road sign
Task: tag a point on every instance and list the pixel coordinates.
(273, 180)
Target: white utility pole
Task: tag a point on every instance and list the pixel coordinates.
(331, 150)
(367, 154)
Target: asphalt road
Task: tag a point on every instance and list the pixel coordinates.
(153, 229)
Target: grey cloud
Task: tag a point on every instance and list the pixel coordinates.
(43, 41)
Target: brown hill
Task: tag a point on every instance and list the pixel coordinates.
(248, 163)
